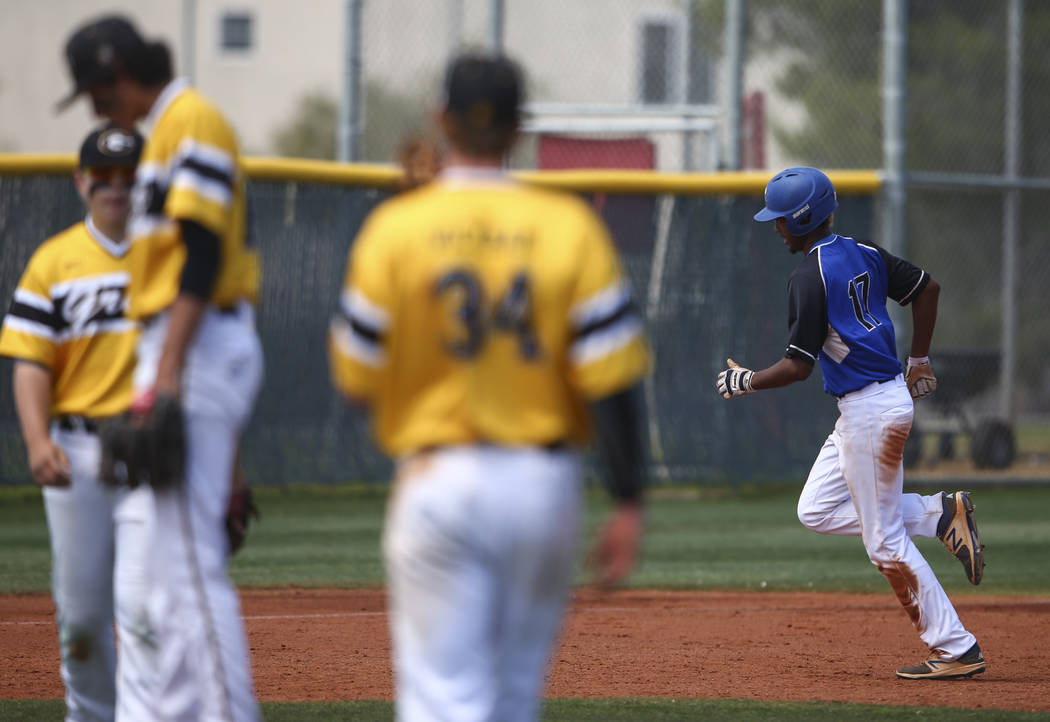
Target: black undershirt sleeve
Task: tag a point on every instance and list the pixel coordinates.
(807, 312)
(202, 260)
(905, 280)
(618, 422)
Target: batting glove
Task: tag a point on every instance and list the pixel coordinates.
(735, 380)
(920, 379)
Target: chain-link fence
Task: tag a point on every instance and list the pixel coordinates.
(948, 97)
(654, 84)
(710, 280)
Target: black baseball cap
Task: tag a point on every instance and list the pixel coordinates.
(485, 91)
(97, 50)
(111, 146)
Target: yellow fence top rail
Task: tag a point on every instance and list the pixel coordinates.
(26, 163)
(731, 183)
(378, 175)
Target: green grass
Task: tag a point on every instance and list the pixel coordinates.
(695, 539)
(603, 710)
(702, 538)
(1033, 436)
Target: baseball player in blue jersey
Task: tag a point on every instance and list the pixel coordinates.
(837, 315)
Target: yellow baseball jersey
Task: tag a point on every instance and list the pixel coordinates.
(190, 170)
(68, 313)
(484, 311)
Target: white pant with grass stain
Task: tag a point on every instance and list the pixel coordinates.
(98, 559)
(856, 488)
(196, 639)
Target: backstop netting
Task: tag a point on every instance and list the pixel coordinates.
(710, 281)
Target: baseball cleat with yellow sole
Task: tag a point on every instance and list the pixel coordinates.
(967, 665)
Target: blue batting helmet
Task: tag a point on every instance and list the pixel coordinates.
(803, 197)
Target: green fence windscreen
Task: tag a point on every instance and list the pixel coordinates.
(711, 282)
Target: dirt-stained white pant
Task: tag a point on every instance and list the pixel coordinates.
(196, 639)
(480, 545)
(856, 488)
(98, 557)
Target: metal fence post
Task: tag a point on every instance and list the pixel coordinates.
(894, 90)
(1011, 208)
(350, 102)
(685, 76)
(496, 14)
(189, 39)
(735, 11)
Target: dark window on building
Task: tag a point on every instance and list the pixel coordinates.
(699, 82)
(656, 65)
(236, 32)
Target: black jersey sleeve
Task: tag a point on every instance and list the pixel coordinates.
(618, 420)
(203, 250)
(807, 311)
(906, 280)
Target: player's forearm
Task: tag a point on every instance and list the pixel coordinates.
(185, 317)
(784, 372)
(617, 419)
(32, 389)
(924, 317)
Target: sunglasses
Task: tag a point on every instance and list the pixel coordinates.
(107, 175)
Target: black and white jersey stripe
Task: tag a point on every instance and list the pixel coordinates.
(604, 323)
(198, 167)
(31, 314)
(205, 170)
(147, 201)
(77, 308)
(360, 327)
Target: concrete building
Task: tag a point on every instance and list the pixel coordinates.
(257, 59)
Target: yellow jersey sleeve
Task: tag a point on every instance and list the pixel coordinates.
(607, 352)
(204, 174)
(358, 333)
(29, 331)
(190, 171)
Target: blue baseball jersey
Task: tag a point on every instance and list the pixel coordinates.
(837, 311)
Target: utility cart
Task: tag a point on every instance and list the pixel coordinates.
(962, 376)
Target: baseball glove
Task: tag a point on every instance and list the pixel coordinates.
(920, 379)
(240, 511)
(145, 447)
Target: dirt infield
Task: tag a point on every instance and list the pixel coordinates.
(310, 644)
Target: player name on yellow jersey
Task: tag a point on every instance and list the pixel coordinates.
(189, 171)
(510, 305)
(68, 313)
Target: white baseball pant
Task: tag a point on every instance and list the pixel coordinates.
(480, 546)
(98, 552)
(856, 488)
(202, 669)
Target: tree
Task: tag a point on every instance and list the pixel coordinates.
(828, 60)
(311, 133)
(388, 117)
